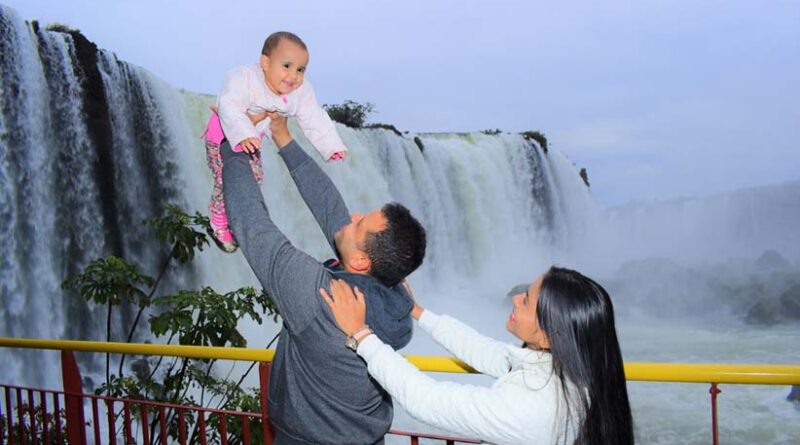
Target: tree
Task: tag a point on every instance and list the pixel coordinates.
(350, 113)
(192, 317)
(537, 136)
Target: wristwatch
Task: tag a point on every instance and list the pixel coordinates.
(352, 341)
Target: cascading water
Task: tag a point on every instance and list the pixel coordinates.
(90, 146)
(84, 159)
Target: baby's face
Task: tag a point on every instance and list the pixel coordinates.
(285, 67)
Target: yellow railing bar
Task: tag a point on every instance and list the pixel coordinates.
(653, 372)
(245, 354)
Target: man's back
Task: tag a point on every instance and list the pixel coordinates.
(320, 391)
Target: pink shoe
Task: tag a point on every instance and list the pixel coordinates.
(223, 238)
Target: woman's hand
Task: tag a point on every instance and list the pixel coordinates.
(349, 309)
(417, 310)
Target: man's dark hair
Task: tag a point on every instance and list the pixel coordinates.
(275, 38)
(397, 250)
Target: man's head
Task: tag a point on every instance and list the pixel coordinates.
(387, 244)
(284, 58)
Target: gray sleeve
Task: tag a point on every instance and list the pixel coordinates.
(318, 191)
(290, 276)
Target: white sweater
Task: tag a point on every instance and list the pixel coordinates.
(246, 90)
(524, 406)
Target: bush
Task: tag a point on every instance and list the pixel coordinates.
(60, 27)
(537, 136)
(389, 127)
(494, 132)
(350, 113)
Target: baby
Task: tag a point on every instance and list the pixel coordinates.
(250, 92)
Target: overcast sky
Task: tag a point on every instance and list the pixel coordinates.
(657, 99)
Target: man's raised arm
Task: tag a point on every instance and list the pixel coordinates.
(291, 277)
(318, 191)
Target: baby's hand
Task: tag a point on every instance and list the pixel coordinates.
(338, 156)
(250, 145)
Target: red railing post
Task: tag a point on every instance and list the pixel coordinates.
(714, 433)
(266, 426)
(71, 377)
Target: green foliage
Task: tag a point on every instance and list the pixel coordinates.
(124, 386)
(245, 401)
(389, 127)
(110, 281)
(180, 230)
(207, 318)
(60, 27)
(350, 113)
(27, 435)
(193, 317)
(494, 132)
(537, 136)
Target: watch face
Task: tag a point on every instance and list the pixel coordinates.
(351, 343)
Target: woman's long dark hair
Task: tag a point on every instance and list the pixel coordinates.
(576, 314)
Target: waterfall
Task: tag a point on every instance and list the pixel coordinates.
(92, 145)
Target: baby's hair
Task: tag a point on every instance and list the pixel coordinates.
(275, 38)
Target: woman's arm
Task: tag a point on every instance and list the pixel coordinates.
(503, 414)
(485, 354)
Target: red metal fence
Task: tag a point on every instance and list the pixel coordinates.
(43, 416)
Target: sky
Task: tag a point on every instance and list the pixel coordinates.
(656, 99)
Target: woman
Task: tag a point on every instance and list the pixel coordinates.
(564, 385)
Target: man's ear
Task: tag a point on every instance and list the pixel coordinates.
(360, 262)
(264, 62)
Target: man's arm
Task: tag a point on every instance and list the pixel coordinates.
(290, 276)
(318, 191)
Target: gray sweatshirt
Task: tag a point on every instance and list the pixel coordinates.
(319, 391)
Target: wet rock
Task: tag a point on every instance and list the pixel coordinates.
(772, 260)
(418, 141)
(585, 176)
(141, 368)
(794, 395)
(766, 312)
(518, 289)
(88, 384)
(790, 303)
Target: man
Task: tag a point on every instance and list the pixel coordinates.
(320, 391)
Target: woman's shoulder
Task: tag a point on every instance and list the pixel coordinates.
(530, 369)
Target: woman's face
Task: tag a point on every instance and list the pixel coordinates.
(523, 322)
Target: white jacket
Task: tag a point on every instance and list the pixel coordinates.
(245, 89)
(524, 406)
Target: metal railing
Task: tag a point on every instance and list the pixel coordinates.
(46, 427)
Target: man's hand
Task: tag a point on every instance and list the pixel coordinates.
(254, 118)
(349, 309)
(280, 129)
(250, 145)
